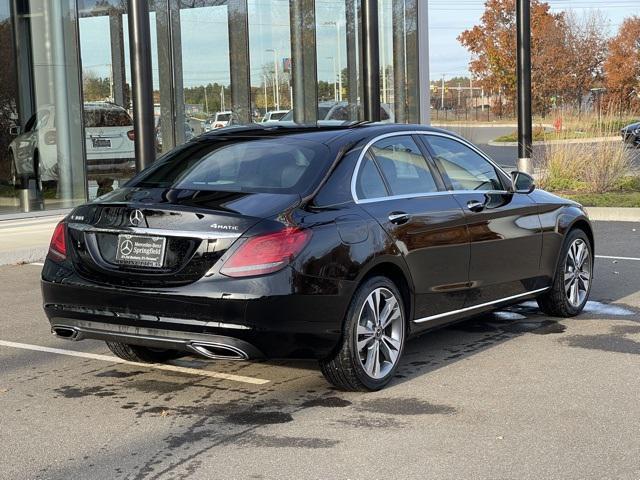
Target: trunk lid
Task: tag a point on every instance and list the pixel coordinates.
(181, 234)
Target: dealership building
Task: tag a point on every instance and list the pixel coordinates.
(90, 90)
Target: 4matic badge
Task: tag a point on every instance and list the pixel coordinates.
(229, 228)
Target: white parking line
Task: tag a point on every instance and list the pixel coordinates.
(157, 366)
(37, 264)
(619, 258)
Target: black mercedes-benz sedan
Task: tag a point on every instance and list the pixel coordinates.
(335, 243)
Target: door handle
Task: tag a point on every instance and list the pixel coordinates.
(399, 218)
(475, 206)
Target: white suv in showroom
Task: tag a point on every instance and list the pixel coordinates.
(109, 144)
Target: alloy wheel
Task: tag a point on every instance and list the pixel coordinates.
(380, 333)
(577, 272)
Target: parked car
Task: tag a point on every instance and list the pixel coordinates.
(274, 115)
(631, 134)
(333, 243)
(109, 144)
(219, 120)
(188, 133)
(337, 113)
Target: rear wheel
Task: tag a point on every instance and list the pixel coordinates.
(135, 353)
(572, 283)
(373, 339)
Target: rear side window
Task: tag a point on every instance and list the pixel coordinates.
(105, 117)
(403, 166)
(280, 165)
(369, 183)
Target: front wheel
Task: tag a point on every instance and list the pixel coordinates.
(135, 353)
(572, 284)
(373, 339)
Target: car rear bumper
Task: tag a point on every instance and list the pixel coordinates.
(272, 319)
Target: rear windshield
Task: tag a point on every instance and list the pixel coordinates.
(277, 115)
(97, 117)
(223, 117)
(279, 165)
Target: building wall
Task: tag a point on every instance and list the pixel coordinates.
(68, 88)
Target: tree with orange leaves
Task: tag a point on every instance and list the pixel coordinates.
(622, 66)
(555, 42)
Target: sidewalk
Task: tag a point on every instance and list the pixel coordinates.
(27, 240)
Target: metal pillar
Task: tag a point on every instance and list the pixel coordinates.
(399, 61)
(525, 129)
(142, 82)
(352, 58)
(118, 74)
(370, 60)
(303, 52)
(170, 75)
(238, 14)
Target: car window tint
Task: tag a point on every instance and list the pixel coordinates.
(466, 169)
(106, 117)
(279, 165)
(403, 166)
(369, 183)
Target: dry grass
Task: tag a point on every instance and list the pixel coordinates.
(583, 167)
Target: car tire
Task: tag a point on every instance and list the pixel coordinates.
(135, 353)
(573, 279)
(370, 352)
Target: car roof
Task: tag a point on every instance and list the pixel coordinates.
(322, 134)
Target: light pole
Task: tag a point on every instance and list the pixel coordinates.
(525, 127)
(266, 104)
(339, 51)
(335, 84)
(276, 81)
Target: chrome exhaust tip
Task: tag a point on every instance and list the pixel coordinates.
(67, 333)
(218, 351)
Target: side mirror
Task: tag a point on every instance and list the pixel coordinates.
(522, 182)
(14, 130)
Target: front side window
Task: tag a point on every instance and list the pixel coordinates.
(466, 169)
(403, 166)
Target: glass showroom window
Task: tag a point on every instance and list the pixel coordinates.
(106, 89)
(399, 82)
(42, 165)
(338, 60)
(270, 57)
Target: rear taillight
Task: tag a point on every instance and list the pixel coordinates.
(266, 253)
(132, 135)
(58, 245)
(51, 137)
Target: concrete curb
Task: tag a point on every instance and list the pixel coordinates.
(24, 255)
(559, 142)
(612, 214)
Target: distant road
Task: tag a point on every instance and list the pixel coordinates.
(507, 156)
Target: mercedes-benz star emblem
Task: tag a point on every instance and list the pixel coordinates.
(136, 218)
(126, 248)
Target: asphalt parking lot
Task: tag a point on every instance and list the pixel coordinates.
(509, 395)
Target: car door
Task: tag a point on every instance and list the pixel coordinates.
(504, 227)
(396, 185)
